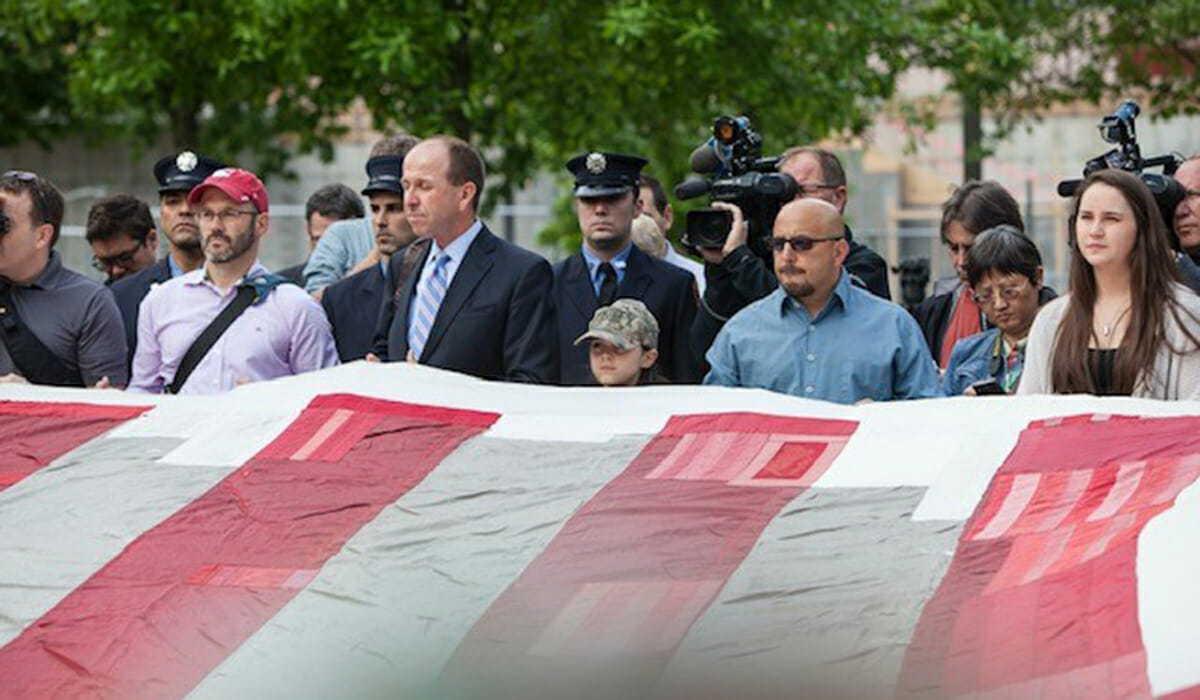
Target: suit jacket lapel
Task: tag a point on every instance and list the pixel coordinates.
(163, 271)
(578, 286)
(637, 275)
(474, 266)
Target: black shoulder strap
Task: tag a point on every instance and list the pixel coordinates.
(210, 335)
(29, 354)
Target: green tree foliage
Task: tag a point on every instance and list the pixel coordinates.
(234, 78)
(1018, 58)
(534, 83)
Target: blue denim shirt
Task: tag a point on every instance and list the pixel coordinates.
(858, 347)
(343, 246)
(971, 361)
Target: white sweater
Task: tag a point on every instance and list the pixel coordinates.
(1176, 372)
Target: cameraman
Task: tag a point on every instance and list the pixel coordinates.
(1187, 212)
(737, 276)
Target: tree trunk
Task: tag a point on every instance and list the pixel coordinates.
(185, 127)
(459, 59)
(972, 128)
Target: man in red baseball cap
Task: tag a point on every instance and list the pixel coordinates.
(278, 331)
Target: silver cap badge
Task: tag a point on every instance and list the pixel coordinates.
(186, 161)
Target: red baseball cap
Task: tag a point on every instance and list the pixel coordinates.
(240, 185)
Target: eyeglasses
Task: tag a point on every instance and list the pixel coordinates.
(799, 244)
(1009, 294)
(123, 260)
(227, 217)
(808, 189)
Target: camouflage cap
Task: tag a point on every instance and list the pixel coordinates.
(626, 323)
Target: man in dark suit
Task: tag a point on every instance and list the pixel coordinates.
(475, 303)
(610, 267)
(176, 176)
(352, 304)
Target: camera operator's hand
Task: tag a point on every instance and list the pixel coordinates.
(735, 239)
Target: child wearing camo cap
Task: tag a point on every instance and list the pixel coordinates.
(624, 344)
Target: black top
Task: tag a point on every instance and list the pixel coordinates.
(1102, 366)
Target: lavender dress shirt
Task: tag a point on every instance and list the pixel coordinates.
(284, 335)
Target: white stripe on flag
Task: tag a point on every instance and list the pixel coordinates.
(391, 608)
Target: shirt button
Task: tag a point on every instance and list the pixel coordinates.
(811, 357)
(809, 389)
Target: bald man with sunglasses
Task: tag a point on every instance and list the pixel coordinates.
(818, 336)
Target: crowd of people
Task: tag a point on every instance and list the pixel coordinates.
(417, 277)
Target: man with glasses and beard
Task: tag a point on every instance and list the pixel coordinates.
(280, 331)
(57, 327)
(176, 176)
(818, 336)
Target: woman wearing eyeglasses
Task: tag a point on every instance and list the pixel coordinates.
(952, 315)
(1127, 327)
(1004, 269)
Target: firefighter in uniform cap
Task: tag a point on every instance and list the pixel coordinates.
(353, 304)
(176, 175)
(609, 267)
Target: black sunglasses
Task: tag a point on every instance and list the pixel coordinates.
(799, 244)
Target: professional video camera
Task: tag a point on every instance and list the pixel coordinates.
(1118, 128)
(739, 175)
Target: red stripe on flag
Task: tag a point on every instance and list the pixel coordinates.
(633, 569)
(184, 595)
(32, 435)
(1041, 596)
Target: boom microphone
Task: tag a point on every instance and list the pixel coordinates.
(705, 160)
(1067, 188)
(690, 189)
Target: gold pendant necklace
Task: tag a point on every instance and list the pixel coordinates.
(1107, 329)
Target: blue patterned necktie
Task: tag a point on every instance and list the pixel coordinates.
(429, 299)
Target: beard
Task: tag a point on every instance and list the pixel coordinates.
(798, 290)
(237, 245)
(796, 286)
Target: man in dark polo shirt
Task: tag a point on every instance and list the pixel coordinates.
(57, 327)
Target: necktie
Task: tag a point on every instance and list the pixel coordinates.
(608, 285)
(429, 299)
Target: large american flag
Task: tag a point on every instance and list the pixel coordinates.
(389, 531)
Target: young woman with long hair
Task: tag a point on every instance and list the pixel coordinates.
(1128, 327)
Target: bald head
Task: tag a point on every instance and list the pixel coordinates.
(814, 218)
(809, 264)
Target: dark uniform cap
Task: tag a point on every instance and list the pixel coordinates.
(626, 323)
(182, 172)
(383, 174)
(606, 174)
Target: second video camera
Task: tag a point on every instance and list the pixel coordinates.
(1119, 129)
(738, 175)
